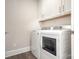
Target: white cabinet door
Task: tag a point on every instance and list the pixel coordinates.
(49, 8)
(53, 8)
(66, 5)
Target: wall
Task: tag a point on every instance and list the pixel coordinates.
(55, 22)
(20, 20)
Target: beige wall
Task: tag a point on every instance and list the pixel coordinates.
(55, 22)
(21, 18)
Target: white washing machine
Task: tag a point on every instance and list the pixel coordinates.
(35, 43)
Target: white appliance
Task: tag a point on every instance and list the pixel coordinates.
(35, 43)
(55, 44)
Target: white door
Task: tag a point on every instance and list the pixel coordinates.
(49, 8)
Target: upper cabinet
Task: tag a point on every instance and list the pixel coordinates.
(53, 8)
(66, 4)
(49, 8)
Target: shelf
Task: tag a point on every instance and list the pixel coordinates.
(67, 13)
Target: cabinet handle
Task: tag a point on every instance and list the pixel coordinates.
(63, 7)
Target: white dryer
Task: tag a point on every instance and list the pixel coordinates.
(55, 44)
(51, 44)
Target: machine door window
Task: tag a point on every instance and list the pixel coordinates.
(49, 44)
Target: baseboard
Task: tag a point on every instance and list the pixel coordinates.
(17, 51)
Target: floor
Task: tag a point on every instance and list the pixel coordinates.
(27, 55)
